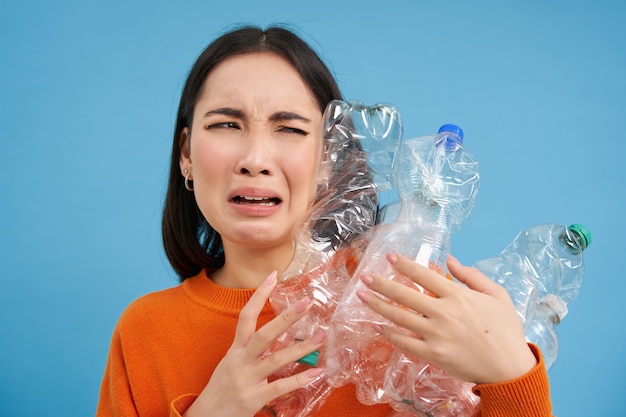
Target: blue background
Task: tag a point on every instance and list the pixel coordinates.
(89, 92)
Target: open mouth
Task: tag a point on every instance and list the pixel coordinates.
(261, 201)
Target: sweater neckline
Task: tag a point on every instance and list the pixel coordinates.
(202, 290)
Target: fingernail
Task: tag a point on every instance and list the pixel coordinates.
(378, 328)
(367, 279)
(453, 260)
(319, 337)
(392, 258)
(314, 372)
(270, 278)
(364, 296)
(301, 305)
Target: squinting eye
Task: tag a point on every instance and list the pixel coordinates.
(293, 130)
(224, 125)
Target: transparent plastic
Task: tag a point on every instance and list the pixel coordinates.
(420, 388)
(437, 182)
(360, 146)
(542, 270)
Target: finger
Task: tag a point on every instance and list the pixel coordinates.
(406, 343)
(474, 279)
(263, 338)
(401, 294)
(246, 325)
(396, 314)
(421, 275)
(290, 354)
(283, 386)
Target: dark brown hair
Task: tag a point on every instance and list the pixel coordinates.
(191, 244)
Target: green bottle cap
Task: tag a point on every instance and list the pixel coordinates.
(310, 359)
(583, 232)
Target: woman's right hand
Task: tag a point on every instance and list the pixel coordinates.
(239, 385)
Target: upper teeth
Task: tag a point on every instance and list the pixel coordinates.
(254, 198)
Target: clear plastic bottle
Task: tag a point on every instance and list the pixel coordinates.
(542, 270)
(437, 182)
(360, 145)
(418, 387)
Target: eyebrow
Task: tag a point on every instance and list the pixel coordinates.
(276, 117)
(226, 111)
(287, 115)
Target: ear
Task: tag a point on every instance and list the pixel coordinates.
(185, 151)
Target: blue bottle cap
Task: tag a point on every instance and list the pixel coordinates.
(450, 128)
(453, 135)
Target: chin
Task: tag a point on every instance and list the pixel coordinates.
(263, 238)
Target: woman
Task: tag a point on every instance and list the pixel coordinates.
(246, 153)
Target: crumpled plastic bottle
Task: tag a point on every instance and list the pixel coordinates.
(542, 270)
(333, 238)
(417, 387)
(437, 182)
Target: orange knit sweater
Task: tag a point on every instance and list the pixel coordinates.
(166, 345)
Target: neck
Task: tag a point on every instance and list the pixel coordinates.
(246, 267)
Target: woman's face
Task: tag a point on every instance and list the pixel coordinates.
(254, 150)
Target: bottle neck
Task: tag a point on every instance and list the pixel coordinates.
(430, 238)
(572, 241)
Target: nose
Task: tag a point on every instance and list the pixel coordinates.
(253, 171)
(256, 157)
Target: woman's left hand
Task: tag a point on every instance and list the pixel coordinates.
(472, 332)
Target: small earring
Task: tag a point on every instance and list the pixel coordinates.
(187, 179)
